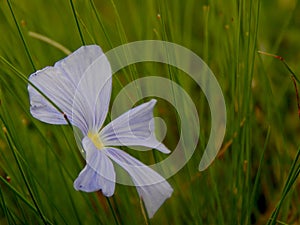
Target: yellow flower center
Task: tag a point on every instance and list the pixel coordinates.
(96, 140)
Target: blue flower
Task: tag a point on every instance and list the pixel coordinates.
(80, 86)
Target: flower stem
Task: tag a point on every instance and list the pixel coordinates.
(113, 211)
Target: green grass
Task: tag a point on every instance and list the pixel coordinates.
(254, 179)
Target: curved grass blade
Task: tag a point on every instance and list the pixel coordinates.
(293, 75)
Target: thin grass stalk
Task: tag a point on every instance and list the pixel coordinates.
(6, 133)
(77, 22)
(292, 176)
(4, 207)
(21, 35)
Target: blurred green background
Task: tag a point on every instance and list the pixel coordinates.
(39, 162)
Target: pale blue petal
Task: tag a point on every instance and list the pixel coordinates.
(80, 73)
(54, 85)
(98, 174)
(133, 128)
(76, 63)
(151, 186)
(93, 92)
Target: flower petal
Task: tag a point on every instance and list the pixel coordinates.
(151, 186)
(93, 92)
(53, 84)
(98, 174)
(133, 128)
(82, 74)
